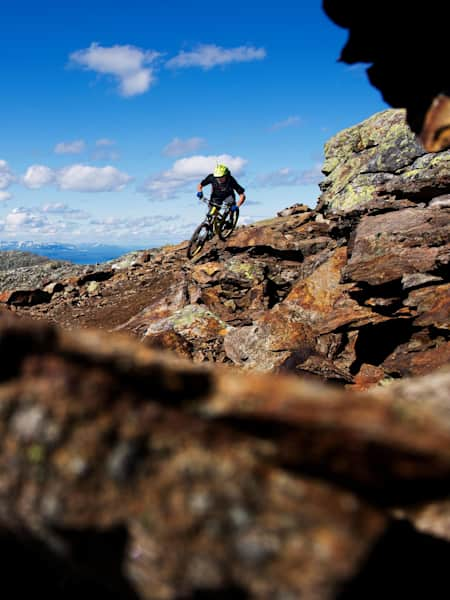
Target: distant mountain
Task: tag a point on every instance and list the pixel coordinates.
(83, 254)
(16, 259)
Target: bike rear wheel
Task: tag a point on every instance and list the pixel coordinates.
(226, 224)
(198, 240)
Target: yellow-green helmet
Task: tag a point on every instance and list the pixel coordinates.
(221, 170)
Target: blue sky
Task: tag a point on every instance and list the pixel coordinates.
(111, 112)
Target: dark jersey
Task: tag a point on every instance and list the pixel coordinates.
(220, 191)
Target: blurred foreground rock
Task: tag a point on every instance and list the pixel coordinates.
(135, 474)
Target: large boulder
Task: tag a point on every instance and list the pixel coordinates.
(380, 158)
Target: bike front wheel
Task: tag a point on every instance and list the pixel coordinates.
(198, 240)
(226, 224)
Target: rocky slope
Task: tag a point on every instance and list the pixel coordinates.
(191, 480)
(26, 271)
(15, 259)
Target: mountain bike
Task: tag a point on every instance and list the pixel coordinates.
(219, 220)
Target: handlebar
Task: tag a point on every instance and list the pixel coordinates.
(208, 201)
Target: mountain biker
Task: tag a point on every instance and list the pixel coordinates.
(223, 187)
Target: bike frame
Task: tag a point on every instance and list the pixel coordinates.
(212, 223)
(212, 214)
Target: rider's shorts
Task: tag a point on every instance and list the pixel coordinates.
(229, 201)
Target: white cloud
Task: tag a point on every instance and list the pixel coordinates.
(196, 166)
(44, 222)
(77, 178)
(75, 147)
(154, 227)
(104, 142)
(59, 208)
(178, 147)
(54, 207)
(208, 56)
(289, 122)
(185, 171)
(142, 222)
(20, 218)
(106, 155)
(136, 83)
(84, 178)
(104, 150)
(38, 176)
(288, 177)
(5, 196)
(127, 64)
(59, 222)
(6, 175)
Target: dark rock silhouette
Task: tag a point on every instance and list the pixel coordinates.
(407, 53)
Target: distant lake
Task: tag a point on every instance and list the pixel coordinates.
(81, 255)
(88, 256)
